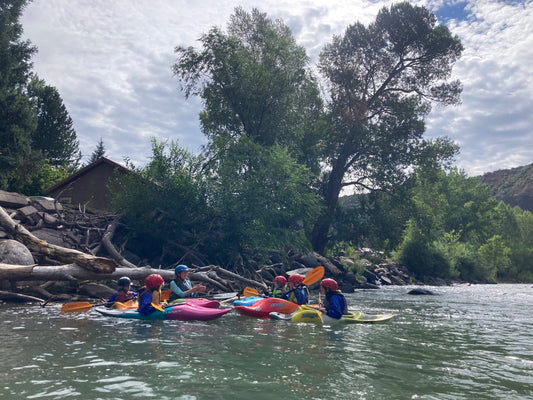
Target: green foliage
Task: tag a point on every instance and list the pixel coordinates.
(382, 80)
(264, 198)
(38, 141)
(98, 152)
(165, 203)
(54, 136)
(17, 119)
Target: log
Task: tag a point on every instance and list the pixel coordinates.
(240, 278)
(75, 272)
(61, 254)
(10, 296)
(106, 241)
(328, 265)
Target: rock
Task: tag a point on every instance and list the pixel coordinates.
(420, 291)
(12, 200)
(13, 252)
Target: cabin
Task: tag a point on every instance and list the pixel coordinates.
(88, 188)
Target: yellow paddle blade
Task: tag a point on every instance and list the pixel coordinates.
(79, 306)
(158, 307)
(250, 292)
(165, 295)
(314, 276)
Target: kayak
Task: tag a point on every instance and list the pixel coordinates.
(309, 314)
(247, 301)
(181, 312)
(201, 302)
(262, 308)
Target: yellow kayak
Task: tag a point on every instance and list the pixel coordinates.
(312, 315)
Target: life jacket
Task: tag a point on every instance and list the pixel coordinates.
(330, 294)
(125, 296)
(183, 285)
(278, 293)
(298, 295)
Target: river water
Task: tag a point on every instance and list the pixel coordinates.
(467, 342)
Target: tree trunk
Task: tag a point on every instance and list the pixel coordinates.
(320, 235)
(61, 254)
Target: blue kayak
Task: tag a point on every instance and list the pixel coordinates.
(247, 301)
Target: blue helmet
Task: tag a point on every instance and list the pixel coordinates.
(180, 268)
(124, 281)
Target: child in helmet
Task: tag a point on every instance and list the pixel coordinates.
(298, 292)
(334, 303)
(181, 286)
(151, 294)
(280, 287)
(123, 293)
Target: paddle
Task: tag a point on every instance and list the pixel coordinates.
(81, 306)
(250, 292)
(314, 276)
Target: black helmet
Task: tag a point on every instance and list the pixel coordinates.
(124, 281)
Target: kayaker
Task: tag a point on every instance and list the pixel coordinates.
(181, 286)
(151, 294)
(298, 292)
(279, 287)
(123, 293)
(335, 304)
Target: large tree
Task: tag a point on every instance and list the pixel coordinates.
(17, 117)
(260, 108)
(382, 79)
(55, 136)
(254, 83)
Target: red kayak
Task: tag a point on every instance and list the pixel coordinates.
(262, 308)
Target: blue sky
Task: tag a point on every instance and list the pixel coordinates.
(111, 63)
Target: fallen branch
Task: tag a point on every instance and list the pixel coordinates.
(106, 241)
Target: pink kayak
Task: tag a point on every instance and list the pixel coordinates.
(201, 302)
(262, 308)
(191, 312)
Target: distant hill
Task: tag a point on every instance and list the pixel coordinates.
(512, 186)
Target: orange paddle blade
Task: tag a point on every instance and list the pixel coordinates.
(314, 276)
(250, 292)
(79, 306)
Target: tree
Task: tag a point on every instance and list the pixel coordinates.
(55, 136)
(382, 80)
(254, 83)
(98, 153)
(17, 118)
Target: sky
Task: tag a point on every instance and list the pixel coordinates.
(111, 63)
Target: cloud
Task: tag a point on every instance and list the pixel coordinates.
(111, 62)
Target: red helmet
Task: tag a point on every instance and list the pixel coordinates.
(280, 279)
(153, 281)
(296, 278)
(329, 283)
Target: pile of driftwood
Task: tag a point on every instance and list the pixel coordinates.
(22, 219)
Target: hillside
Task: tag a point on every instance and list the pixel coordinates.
(512, 186)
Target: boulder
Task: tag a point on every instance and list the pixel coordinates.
(13, 252)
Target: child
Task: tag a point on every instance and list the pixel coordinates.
(123, 293)
(280, 287)
(151, 294)
(181, 286)
(298, 292)
(335, 303)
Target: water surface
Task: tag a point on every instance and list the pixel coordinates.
(468, 342)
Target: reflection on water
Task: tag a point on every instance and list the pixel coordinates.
(469, 342)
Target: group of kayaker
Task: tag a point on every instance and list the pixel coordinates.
(294, 290)
(291, 289)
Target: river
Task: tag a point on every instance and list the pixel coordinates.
(466, 342)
